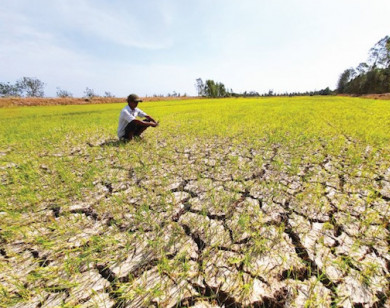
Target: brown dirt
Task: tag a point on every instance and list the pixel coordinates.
(370, 96)
(49, 101)
(377, 96)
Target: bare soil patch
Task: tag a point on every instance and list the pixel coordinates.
(211, 227)
(47, 101)
(384, 96)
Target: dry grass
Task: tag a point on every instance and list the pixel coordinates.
(50, 101)
(370, 96)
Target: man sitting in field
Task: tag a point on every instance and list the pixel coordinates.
(129, 126)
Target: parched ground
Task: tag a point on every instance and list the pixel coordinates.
(52, 101)
(218, 223)
(377, 96)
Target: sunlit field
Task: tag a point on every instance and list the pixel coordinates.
(263, 202)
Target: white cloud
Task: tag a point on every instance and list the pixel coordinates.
(117, 24)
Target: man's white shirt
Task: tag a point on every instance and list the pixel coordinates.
(127, 115)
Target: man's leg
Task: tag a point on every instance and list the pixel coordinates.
(133, 129)
(130, 130)
(129, 136)
(139, 130)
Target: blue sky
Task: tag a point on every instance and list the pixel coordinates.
(159, 46)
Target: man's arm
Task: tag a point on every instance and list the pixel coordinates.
(145, 123)
(150, 119)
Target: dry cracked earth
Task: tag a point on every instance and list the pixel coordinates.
(216, 224)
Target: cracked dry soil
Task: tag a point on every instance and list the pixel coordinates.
(215, 224)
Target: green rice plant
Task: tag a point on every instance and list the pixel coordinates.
(256, 169)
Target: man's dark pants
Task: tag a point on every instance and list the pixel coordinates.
(133, 129)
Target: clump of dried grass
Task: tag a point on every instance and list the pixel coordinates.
(49, 101)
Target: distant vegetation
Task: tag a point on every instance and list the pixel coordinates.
(211, 88)
(33, 87)
(63, 93)
(371, 77)
(27, 86)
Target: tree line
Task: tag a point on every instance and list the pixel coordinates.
(26, 86)
(33, 87)
(370, 77)
(212, 89)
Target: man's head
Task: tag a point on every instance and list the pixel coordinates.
(133, 100)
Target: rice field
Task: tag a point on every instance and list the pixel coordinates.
(260, 202)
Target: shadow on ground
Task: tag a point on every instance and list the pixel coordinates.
(112, 143)
(108, 142)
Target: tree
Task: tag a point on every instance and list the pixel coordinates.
(362, 68)
(221, 90)
(344, 78)
(63, 93)
(32, 86)
(211, 88)
(325, 91)
(7, 89)
(200, 87)
(372, 76)
(108, 94)
(379, 55)
(90, 93)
